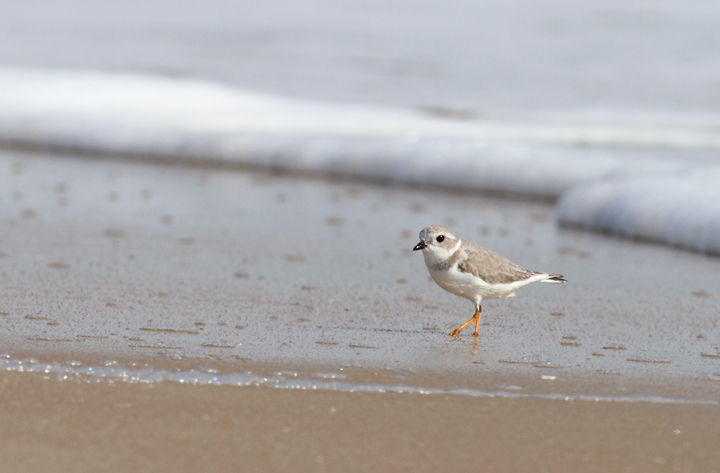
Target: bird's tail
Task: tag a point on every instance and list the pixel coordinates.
(555, 278)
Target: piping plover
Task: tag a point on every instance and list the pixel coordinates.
(473, 272)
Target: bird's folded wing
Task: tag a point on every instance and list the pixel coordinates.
(490, 266)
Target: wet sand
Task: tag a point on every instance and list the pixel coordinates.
(118, 275)
(65, 426)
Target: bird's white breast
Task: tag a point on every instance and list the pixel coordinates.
(451, 278)
(459, 283)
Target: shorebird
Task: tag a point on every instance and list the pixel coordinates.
(473, 272)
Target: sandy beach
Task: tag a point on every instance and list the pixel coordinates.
(144, 331)
(70, 426)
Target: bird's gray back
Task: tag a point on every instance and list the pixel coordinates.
(488, 265)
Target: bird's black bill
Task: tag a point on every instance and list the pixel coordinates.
(420, 246)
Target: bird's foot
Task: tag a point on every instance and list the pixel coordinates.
(475, 319)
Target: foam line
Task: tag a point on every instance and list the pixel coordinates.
(35, 101)
(75, 371)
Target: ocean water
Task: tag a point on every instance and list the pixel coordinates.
(520, 98)
(471, 56)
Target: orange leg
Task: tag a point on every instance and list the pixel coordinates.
(475, 318)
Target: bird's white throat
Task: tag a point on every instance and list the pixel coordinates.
(436, 254)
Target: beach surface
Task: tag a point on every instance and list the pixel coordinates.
(79, 427)
(272, 320)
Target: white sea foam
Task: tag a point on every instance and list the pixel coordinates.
(38, 101)
(681, 209)
(142, 116)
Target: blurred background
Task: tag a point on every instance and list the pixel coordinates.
(519, 97)
(476, 55)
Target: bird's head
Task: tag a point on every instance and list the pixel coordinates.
(438, 241)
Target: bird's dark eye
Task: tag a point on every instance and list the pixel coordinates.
(440, 238)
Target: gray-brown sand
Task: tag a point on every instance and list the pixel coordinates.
(117, 277)
(79, 427)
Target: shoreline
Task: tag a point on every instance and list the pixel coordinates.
(541, 384)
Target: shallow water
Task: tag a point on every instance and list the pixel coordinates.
(110, 373)
(580, 85)
(463, 57)
(125, 261)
